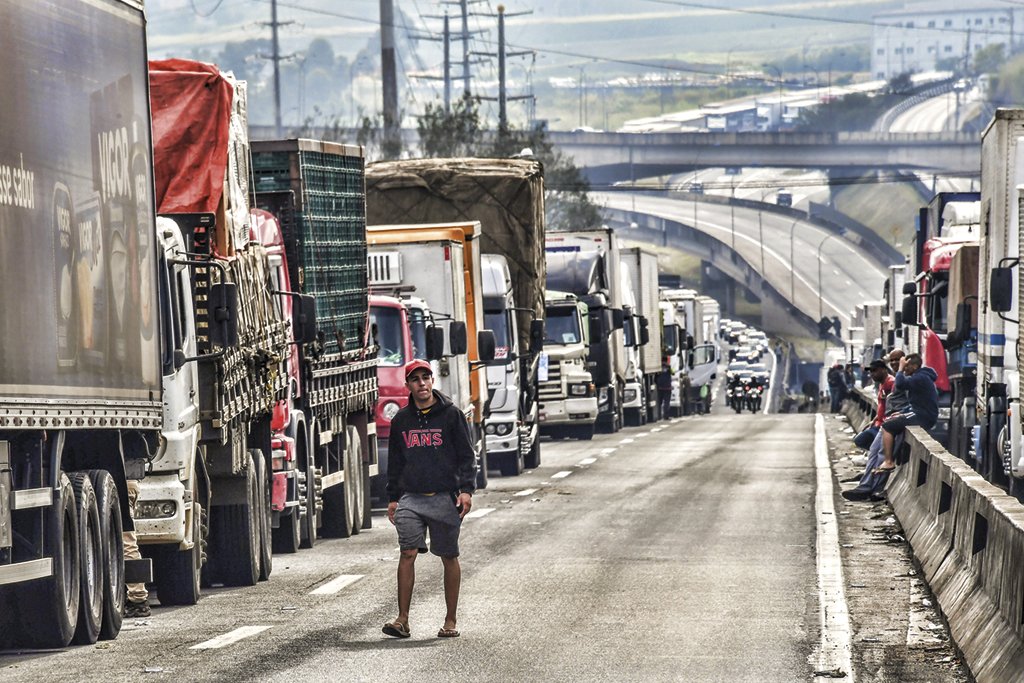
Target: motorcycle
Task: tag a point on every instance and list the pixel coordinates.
(754, 398)
(737, 395)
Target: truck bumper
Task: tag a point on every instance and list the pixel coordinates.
(633, 395)
(568, 411)
(500, 444)
(157, 494)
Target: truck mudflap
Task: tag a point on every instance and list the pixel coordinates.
(138, 571)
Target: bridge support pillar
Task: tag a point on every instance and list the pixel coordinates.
(718, 286)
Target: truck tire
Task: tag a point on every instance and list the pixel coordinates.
(632, 417)
(236, 535)
(481, 474)
(312, 518)
(48, 608)
(367, 507)
(287, 537)
(511, 464)
(339, 500)
(584, 432)
(177, 573)
(263, 491)
(357, 468)
(111, 530)
(90, 563)
(532, 459)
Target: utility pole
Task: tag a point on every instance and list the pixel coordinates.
(389, 77)
(276, 57)
(447, 66)
(503, 96)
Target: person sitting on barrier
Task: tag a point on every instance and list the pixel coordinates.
(879, 372)
(871, 485)
(919, 383)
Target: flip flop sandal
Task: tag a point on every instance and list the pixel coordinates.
(396, 629)
(447, 633)
(883, 470)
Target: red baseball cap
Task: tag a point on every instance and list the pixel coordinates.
(415, 365)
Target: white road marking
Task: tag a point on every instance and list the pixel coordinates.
(833, 652)
(608, 451)
(586, 461)
(657, 429)
(626, 441)
(524, 492)
(642, 434)
(479, 513)
(561, 475)
(336, 584)
(230, 638)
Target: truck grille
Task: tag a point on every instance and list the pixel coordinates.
(551, 390)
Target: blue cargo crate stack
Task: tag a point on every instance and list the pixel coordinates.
(317, 191)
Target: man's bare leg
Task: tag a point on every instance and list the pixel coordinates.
(452, 583)
(406, 581)
(888, 441)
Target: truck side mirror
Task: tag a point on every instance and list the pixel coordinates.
(909, 312)
(536, 336)
(458, 341)
(645, 333)
(304, 318)
(222, 312)
(689, 341)
(1000, 289)
(485, 345)
(435, 343)
(909, 288)
(618, 318)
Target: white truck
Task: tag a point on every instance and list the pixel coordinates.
(586, 263)
(640, 266)
(997, 451)
(567, 396)
(511, 426)
(701, 355)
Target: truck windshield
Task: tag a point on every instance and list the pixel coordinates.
(388, 324)
(628, 331)
(561, 325)
(495, 322)
(418, 332)
(936, 301)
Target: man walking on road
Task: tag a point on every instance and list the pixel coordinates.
(431, 479)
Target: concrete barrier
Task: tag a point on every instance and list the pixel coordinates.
(968, 538)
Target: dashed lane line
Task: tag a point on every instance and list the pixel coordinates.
(586, 461)
(561, 475)
(475, 514)
(605, 452)
(524, 492)
(642, 434)
(230, 638)
(336, 584)
(624, 441)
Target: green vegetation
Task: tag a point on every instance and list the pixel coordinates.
(892, 218)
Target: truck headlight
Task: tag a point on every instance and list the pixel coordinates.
(944, 414)
(602, 395)
(389, 410)
(155, 509)
(503, 428)
(629, 395)
(579, 389)
(490, 429)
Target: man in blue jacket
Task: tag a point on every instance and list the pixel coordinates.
(431, 479)
(919, 383)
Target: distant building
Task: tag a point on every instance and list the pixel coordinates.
(920, 35)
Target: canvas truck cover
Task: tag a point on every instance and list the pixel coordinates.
(505, 195)
(200, 143)
(79, 317)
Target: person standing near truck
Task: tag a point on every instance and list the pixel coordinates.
(431, 480)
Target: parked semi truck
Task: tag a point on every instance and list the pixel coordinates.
(219, 476)
(507, 197)
(997, 436)
(441, 264)
(641, 268)
(892, 311)
(324, 433)
(948, 225)
(85, 364)
(585, 263)
(567, 394)
(701, 355)
(673, 352)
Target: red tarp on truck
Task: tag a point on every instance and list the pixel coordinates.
(191, 105)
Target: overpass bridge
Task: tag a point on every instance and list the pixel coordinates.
(607, 158)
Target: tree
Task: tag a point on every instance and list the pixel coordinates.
(450, 134)
(989, 59)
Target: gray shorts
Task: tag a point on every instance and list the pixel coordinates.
(418, 513)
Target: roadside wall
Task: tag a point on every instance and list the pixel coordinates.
(968, 537)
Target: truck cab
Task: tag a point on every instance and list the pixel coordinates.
(634, 396)
(566, 391)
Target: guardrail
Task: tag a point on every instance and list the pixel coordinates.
(968, 537)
